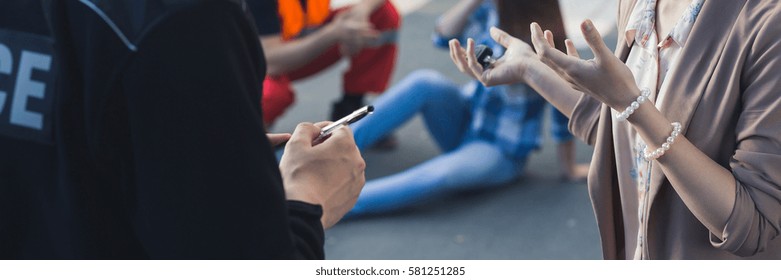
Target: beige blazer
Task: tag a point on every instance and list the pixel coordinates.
(727, 94)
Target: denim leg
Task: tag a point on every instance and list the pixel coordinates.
(424, 91)
(475, 164)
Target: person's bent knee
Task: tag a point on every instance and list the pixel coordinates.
(386, 17)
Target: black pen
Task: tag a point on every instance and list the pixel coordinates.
(351, 118)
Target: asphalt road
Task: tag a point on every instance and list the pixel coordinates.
(537, 217)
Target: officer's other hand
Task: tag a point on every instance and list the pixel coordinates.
(330, 174)
(277, 139)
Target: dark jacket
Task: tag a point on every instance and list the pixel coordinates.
(152, 145)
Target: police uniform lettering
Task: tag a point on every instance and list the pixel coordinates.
(26, 86)
(6, 60)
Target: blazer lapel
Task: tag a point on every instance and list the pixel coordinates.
(622, 45)
(689, 80)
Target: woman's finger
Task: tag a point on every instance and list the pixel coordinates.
(549, 37)
(501, 37)
(550, 56)
(460, 57)
(453, 53)
(539, 43)
(594, 40)
(571, 49)
(476, 68)
(493, 76)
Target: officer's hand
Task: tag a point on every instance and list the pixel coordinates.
(330, 174)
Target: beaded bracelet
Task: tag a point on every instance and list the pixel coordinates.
(666, 146)
(645, 94)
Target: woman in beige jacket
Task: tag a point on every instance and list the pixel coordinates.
(692, 170)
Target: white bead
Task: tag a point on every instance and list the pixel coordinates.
(644, 96)
(659, 152)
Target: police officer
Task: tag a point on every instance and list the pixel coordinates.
(131, 129)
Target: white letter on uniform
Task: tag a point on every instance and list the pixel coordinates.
(25, 87)
(6, 62)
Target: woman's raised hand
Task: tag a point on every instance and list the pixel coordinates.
(605, 77)
(510, 68)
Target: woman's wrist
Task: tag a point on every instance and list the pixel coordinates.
(532, 70)
(634, 104)
(624, 100)
(652, 126)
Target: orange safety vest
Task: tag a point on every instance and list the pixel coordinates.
(295, 19)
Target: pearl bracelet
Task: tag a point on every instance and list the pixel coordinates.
(666, 146)
(645, 94)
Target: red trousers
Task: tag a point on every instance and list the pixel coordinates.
(370, 70)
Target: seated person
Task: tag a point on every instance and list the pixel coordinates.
(486, 134)
(301, 38)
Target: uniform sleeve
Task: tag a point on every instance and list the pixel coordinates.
(266, 16)
(206, 184)
(756, 216)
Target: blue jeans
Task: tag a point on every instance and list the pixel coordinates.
(464, 164)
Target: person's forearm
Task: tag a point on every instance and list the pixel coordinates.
(551, 87)
(452, 22)
(707, 188)
(367, 7)
(285, 56)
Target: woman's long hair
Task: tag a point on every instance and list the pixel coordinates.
(515, 16)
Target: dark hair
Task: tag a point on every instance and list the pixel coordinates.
(515, 16)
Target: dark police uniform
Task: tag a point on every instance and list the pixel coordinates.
(131, 129)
